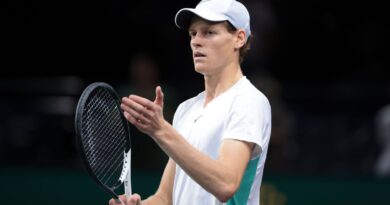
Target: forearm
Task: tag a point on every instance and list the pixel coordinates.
(163, 196)
(155, 200)
(214, 175)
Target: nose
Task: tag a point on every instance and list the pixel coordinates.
(196, 41)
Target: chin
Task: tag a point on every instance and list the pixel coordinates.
(200, 68)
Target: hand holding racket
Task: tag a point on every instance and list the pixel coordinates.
(103, 137)
(134, 199)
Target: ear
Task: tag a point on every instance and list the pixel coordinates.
(240, 39)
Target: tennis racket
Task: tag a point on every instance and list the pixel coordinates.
(103, 138)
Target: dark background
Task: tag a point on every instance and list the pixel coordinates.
(323, 65)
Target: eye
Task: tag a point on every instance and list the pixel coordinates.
(192, 34)
(210, 32)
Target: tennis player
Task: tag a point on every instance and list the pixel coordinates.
(218, 142)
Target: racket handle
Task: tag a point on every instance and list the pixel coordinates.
(119, 201)
(127, 182)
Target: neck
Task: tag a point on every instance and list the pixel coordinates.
(215, 85)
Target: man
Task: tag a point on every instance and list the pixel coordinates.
(218, 142)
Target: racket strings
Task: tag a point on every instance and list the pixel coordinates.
(105, 156)
(105, 137)
(107, 161)
(102, 141)
(114, 170)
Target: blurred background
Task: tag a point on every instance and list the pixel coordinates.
(324, 65)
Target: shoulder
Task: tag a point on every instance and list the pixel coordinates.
(248, 95)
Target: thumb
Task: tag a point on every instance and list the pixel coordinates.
(159, 97)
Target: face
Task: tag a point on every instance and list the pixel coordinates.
(213, 46)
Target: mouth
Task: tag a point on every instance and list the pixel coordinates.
(198, 54)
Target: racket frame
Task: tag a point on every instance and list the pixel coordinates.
(78, 123)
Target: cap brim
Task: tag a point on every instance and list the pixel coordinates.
(184, 16)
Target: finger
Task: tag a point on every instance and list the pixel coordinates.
(159, 96)
(123, 199)
(130, 118)
(115, 202)
(127, 114)
(137, 115)
(132, 104)
(141, 125)
(142, 101)
(138, 108)
(134, 199)
(140, 122)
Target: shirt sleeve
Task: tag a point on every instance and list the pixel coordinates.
(249, 120)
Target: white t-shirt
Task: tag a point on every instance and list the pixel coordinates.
(241, 113)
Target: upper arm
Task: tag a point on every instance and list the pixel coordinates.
(235, 155)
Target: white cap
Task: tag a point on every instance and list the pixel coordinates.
(216, 10)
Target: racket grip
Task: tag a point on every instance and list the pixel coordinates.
(127, 181)
(119, 201)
